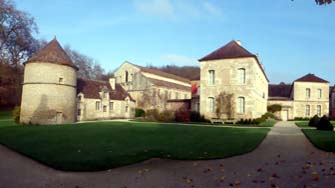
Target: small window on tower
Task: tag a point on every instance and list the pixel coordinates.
(61, 80)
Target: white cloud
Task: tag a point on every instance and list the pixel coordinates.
(178, 9)
(155, 7)
(179, 60)
(212, 9)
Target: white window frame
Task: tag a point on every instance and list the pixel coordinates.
(111, 106)
(211, 104)
(242, 75)
(318, 110)
(211, 77)
(241, 105)
(319, 93)
(97, 105)
(308, 93)
(308, 111)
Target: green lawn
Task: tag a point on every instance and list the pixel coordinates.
(304, 124)
(324, 140)
(6, 119)
(104, 145)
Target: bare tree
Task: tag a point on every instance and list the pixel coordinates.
(88, 67)
(17, 44)
(225, 106)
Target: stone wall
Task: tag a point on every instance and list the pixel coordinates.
(49, 93)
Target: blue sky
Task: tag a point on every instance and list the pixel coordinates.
(291, 38)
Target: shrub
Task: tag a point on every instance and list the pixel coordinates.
(274, 108)
(314, 121)
(197, 117)
(16, 114)
(182, 116)
(268, 115)
(302, 119)
(166, 116)
(139, 112)
(152, 115)
(324, 124)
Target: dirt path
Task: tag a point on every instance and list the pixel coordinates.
(284, 159)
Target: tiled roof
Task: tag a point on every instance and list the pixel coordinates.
(91, 89)
(280, 90)
(230, 51)
(161, 73)
(52, 53)
(311, 78)
(168, 85)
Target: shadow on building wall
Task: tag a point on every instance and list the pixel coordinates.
(43, 114)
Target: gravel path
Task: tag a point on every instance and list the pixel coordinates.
(284, 159)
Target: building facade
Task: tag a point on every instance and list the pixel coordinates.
(305, 97)
(150, 88)
(52, 94)
(232, 70)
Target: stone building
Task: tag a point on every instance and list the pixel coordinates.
(237, 72)
(103, 100)
(305, 97)
(152, 88)
(49, 94)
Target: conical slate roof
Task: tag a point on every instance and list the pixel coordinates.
(52, 53)
(311, 78)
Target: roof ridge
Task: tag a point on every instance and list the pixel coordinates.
(163, 74)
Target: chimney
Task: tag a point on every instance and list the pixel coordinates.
(112, 83)
(239, 42)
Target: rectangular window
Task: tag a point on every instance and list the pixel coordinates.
(111, 106)
(308, 110)
(97, 105)
(61, 80)
(308, 93)
(211, 104)
(166, 94)
(126, 109)
(241, 74)
(241, 105)
(318, 110)
(79, 112)
(104, 108)
(319, 93)
(211, 79)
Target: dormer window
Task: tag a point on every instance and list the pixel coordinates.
(60, 80)
(79, 98)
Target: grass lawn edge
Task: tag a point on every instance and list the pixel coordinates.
(314, 144)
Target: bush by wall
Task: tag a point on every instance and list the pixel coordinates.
(324, 124)
(166, 116)
(314, 121)
(16, 114)
(302, 119)
(152, 115)
(274, 108)
(182, 116)
(139, 112)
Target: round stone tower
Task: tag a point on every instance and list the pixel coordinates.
(49, 87)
